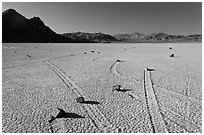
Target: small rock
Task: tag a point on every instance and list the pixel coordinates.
(172, 55)
(28, 55)
(118, 60)
(116, 87)
(80, 99)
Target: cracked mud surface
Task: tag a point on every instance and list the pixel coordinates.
(33, 88)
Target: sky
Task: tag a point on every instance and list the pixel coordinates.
(114, 18)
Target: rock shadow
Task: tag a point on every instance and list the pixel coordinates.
(118, 60)
(63, 114)
(124, 90)
(91, 102)
(150, 69)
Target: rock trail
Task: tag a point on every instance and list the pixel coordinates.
(181, 120)
(187, 98)
(157, 114)
(96, 116)
(156, 118)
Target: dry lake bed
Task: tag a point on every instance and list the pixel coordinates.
(159, 93)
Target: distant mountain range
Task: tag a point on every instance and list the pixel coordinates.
(157, 37)
(18, 29)
(93, 37)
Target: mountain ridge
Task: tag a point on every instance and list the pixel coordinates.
(18, 29)
(157, 37)
(93, 37)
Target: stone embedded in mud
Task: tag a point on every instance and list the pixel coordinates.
(172, 55)
(116, 87)
(28, 55)
(150, 69)
(80, 99)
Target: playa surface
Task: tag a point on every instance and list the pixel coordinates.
(159, 93)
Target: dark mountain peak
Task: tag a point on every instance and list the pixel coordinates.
(36, 18)
(12, 13)
(16, 28)
(37, 21)
(12, 18)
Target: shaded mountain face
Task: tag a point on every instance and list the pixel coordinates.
(92, 37)
(157, 37)
(16, 28)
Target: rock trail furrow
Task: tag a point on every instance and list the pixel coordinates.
(114, 71)
(158, 125)
(155, 114)
(96, 115)
(152, 97)
(178, 94)
(180, 120)
(187, 97)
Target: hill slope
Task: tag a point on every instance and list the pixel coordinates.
(16, 28)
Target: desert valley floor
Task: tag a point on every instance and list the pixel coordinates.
(160, 93)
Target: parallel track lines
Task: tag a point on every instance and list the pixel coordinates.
(180, 120)
(178, 94)
(156, 120)
(160, 111)
(114, 71)
(158, 123)
(96, 116)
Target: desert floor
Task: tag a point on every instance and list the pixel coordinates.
(160, 93)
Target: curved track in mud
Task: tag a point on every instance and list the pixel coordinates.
(114, 71)
(158, 125)
(96, 116)
(163, 113)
